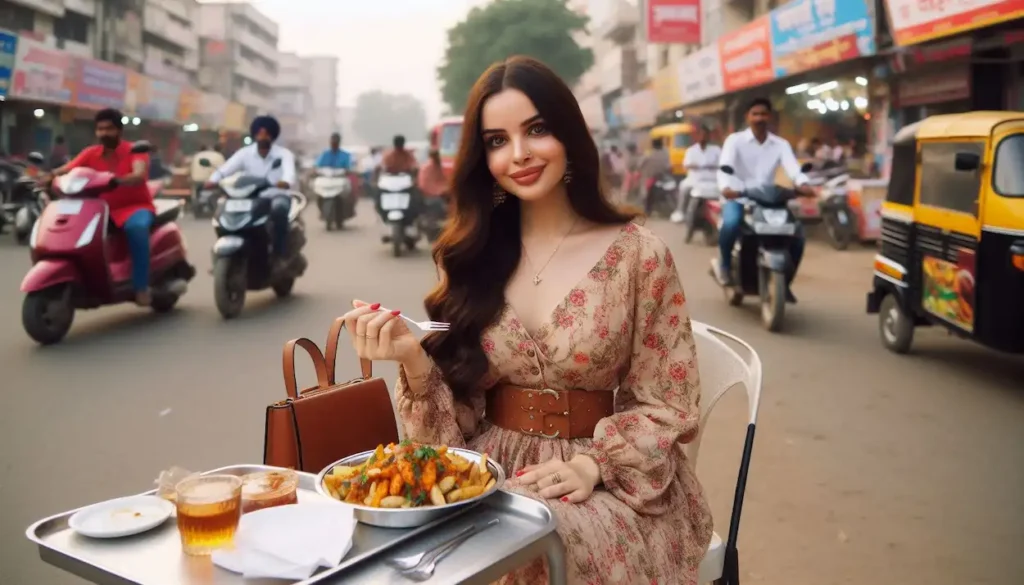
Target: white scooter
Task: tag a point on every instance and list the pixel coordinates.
(840, 221)
(333, 190)
(699, 215)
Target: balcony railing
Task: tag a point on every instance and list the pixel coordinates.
(253, 70)
(174, 7)
(248, 97)
(254, 43)
(621, 22)
(156, 22)
(51, 7)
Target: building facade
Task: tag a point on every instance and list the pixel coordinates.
(239, 55)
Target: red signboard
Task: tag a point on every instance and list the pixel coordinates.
(747, 55)
(916, 21)
(673, 22)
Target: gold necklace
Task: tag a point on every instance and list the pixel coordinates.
(536, 275)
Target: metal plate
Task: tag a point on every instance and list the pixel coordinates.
(409, 517)
(155, 558)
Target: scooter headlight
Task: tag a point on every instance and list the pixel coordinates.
(71, 184)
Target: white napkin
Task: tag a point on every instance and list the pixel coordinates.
(289, 542)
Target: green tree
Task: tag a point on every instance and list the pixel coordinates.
(379, 116)
(542, 29)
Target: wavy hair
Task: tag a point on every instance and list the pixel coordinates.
(481, 247)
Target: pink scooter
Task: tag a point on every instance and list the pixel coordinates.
(81, 261)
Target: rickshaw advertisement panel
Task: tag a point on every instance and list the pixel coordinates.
(948, 288)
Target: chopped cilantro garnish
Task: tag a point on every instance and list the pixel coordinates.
(440, 469)
(420, 499)
(405, 443)
(363, 478)
(408, 491)
(425, 453)
(371, 459)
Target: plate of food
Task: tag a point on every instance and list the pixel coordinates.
(121, 517)
(409, 484)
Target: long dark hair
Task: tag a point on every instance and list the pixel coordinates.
(481, 247)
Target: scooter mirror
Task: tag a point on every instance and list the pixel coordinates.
(204, 163)
(142, 147)
(727, 169)
(36, 158)
(806, 167)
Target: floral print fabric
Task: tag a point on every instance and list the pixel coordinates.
(623, 327)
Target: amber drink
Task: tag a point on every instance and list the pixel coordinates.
(209, 508)
(266, 489)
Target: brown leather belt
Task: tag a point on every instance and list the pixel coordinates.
(565, 414)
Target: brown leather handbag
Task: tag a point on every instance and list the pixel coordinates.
(315, 427)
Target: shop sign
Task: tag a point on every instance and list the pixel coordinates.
(700, 75)
(161, 100)
(188, 105)
(8, 54)
(936, 88)
(42, 73)
(808, 34)
(673, 22)
(948, 50)
(747, 55)
(100, 85)
(916, 21)
(666, 87)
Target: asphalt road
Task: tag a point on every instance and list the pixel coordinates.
(868, 467)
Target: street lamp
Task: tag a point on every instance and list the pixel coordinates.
(38, 113)
(136, 121)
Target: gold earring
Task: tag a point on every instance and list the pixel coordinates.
(499, 195)
(567, 177)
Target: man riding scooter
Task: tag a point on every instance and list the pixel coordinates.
(701, 163)
(258, 159)
(131, 205)
(755, 155)
(200, 174)
(336, 157)
(434, 186)
(653, 166)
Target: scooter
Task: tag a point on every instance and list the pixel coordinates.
(399, 203)
(840, 220)
(242, 255)
(434, 217)
(761, 262)
(699, 214)
(663, 192)
(81, 261)
(19, 192)
(334, 193)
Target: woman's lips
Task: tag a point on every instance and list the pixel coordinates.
(527, 177)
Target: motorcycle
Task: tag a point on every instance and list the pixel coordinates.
(434, 217)
(699, 214)
(761, 262)
(399, 203)
(18, 191)
(335, 197)
(663, 192)
(242, 255)
(81, 261)
(839, 218)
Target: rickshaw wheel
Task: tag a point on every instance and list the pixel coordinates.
(894, 326)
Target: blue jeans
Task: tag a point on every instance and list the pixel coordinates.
(279, 208)
(732, 225)
(136, 231)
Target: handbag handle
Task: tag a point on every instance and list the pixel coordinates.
(365, 365)
(322, 378)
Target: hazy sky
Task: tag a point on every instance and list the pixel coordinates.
(390, 45)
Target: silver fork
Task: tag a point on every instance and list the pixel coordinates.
(411, 561)
(424, 325)
(426, 570)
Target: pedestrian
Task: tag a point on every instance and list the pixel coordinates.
(701, 164)
(532, 223)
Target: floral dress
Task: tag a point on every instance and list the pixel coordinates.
(624, 327)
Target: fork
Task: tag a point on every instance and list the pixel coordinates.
(412, 561)
(425, 571)
(424, 325)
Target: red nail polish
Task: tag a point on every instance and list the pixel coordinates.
(565, 498)
(396, 313)
(520, 472)
(374, 306)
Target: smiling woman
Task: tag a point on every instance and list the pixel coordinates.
(586, 403)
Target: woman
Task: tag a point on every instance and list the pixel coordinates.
(532, 230)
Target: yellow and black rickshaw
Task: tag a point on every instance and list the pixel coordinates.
(952, 247)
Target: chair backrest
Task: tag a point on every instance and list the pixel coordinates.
(721, 369)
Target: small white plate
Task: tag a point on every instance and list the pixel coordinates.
(121, 517)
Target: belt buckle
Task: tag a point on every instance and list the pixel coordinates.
(543, 414)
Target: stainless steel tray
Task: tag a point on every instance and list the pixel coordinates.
(154, 558)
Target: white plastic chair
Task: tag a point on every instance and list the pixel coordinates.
(721, 369)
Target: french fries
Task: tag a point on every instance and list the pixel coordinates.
(410, 475)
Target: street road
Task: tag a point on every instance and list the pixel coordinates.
(868, 467)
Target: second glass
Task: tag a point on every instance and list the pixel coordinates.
(209, 508)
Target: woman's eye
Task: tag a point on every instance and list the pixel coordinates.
(538, 130)
(495, 141)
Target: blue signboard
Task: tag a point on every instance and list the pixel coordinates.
(8, 50)
(808, 34)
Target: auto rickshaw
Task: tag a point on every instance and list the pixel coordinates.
(952, 245)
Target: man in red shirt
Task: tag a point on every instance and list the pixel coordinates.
(131, 205)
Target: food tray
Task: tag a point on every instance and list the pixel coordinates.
(155, 557)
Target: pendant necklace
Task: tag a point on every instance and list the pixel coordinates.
(536, 275)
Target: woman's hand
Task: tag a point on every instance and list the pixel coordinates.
(380, 335)
(571, 482)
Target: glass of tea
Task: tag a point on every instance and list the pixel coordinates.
(266, 489)
(209, 508)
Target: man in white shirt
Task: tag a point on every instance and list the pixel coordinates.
(257, 159)
(700, 162)
(755, 155)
